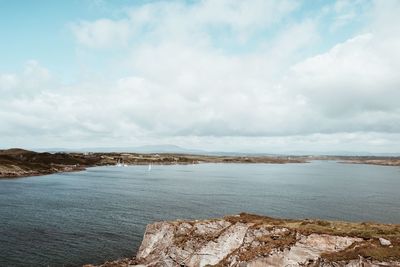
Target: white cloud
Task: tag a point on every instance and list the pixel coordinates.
(181, 21)
(345, 12)
(8, 82)
(219, 75)
(32, 80)
(355, 85)
(35, 75)
(103, 33)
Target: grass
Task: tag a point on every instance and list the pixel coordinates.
(369, 232)
(368, 247)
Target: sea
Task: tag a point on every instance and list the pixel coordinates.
(100, 214)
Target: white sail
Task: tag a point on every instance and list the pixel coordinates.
(119, 164)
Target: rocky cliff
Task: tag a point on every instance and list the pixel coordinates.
(251, 241)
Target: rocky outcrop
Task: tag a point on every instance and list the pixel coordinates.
(253, 241)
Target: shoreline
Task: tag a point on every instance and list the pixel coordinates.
(252, 240)
(377, 162)
(19, 163)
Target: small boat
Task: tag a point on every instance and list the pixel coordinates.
(120, 164)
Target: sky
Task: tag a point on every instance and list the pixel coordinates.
(269, 76)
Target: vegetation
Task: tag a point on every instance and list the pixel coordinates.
(370, 233)
(19, 162)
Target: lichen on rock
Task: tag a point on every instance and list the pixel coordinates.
(251, 241)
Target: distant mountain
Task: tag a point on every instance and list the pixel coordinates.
(138, 149)
(167, 148)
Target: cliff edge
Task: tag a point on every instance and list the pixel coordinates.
(247, 240)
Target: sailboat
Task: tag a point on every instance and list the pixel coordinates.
(120, 164)
(149, 169)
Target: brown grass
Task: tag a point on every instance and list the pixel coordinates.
(368, 249)
(368, 231)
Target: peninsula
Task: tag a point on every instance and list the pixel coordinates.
(21, 163)
(18, 162)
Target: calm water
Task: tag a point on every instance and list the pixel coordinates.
(88, 217)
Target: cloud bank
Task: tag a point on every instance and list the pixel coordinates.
(219, 75)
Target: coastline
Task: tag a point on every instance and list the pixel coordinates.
(252, 240)
(379, 162)
(18, 163)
